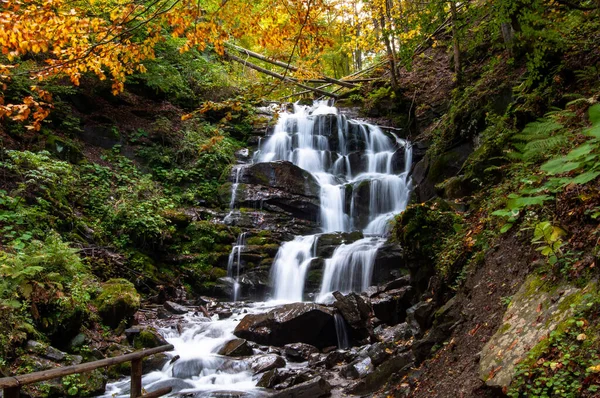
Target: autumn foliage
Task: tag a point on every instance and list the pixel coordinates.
(112, 39)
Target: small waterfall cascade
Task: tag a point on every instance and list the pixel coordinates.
(234, 263)
(364, 181)
(341, 331)
(238, 172)
(290, 266)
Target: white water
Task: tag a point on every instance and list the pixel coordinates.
(234, 264)
(200, 370)
(304, 138)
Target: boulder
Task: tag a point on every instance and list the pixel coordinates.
(337, 357)
(419, 317)
(291, 323)
(396, 284)
(264, 363)
(398, 365)
(268, 379)
(317, 387)
(175, 308)
(534, 312)
(117, 302)
(282, 175)
(236, 348)
(327, 243)
(154, 362)
(391, 306)
(389, 262)
(356, 311)
(378, 353)
(299, 352)
(393, 334)
(148, 338)
(358, 368)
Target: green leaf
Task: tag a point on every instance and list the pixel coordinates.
(580, 151)
(559, 165)
(594, 114)
(524, 201)
(586, 177)
(506, 227)
(593, 131)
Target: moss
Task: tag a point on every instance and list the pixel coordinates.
(118, 301)
(504, 328)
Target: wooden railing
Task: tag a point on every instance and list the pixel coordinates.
(11, 385)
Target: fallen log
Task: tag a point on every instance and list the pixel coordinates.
(279, 76)
(323, 79)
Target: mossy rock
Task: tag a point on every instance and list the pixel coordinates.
(64, 149)
(148, 338)
(117, 302)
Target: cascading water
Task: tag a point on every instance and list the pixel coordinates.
(363, 185)
(234, 263)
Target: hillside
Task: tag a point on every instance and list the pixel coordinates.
(427, 228)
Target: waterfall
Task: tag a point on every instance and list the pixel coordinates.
(341, 331)
(363, 184)
(239, 171)
(290, 267)
(234, 263)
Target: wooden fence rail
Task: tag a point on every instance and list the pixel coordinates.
(11, 385)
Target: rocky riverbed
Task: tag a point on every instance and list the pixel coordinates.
(351, 347)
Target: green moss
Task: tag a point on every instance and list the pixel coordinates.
(504, 328)
(118, 301)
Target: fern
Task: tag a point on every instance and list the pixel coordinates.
(542, 126)
(538, 138)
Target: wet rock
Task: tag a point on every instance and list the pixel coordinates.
(131, 333)
(378, 353)
(389, 259)
(358, 368)
(337, 357)
(283, 175)
(327, 243)
(393, 334)
(391, 306)
(236, 348)
(176, 385)
(268, 379)
(148, 338)
(317, 387)
(187, 368)
(175, 308)
(299, 352)
(154, 362)
(267, 362)
(398, 365)
(419, 317)
(354, 308)
(292, 323)
(372, 291)
(316, 360)
(396, 284)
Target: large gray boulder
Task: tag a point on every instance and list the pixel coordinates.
(308, 323)
(281, 187)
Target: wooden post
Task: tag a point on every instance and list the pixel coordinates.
(136, 378)
(11, 392)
